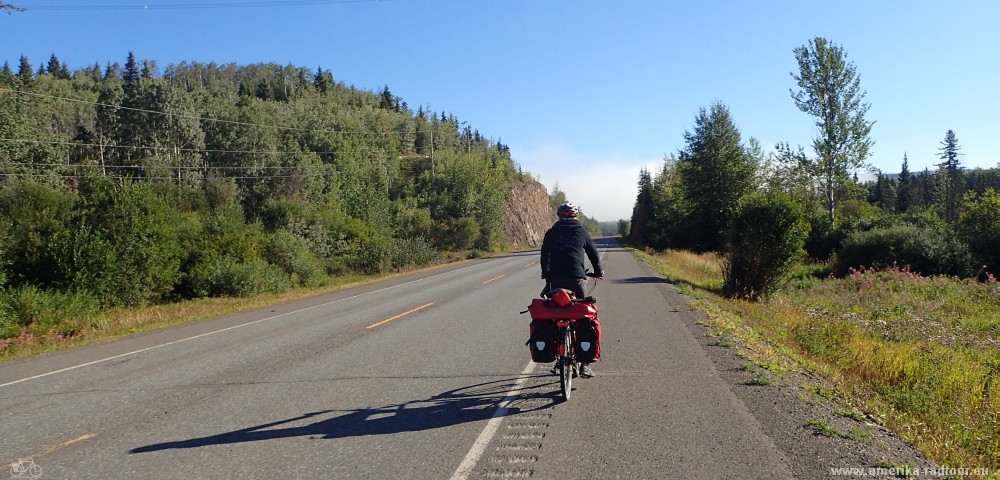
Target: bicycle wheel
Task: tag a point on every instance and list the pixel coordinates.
(566, 366)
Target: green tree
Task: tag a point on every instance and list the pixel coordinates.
(764, 240)
(951, 184)
(979, 225)
(904, 192)
(557, 197)
(830, 91)
(642, 212)
(24, 71)
(53, 66)
(716, 172)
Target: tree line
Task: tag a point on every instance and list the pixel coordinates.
(129, 184)
(765, 211)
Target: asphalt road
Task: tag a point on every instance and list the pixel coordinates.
(350, 385)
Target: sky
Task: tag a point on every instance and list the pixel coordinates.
(584, 92)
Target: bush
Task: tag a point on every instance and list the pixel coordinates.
(405, 252)
(231, 278)
(292, 254)
(979, 226)
(764, 241)
(63, 313)
(927, 250)
(371, 257)
(123, 246)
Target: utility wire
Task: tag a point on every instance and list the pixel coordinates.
(198, 150)
(182, 6)
(195, 117)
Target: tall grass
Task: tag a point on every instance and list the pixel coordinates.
(921, 354)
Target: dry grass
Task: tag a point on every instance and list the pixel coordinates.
(115, 323)
(919, 354)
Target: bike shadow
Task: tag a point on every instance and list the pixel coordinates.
(635, 280)
(467, 404)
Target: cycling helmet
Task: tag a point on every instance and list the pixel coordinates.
(568, 210)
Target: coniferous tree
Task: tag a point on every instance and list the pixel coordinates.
(717, 171)
(41, 70)
(323, 80)
(904, 192)
(53, 66)
(64, 72)
(24, 71)
(951, 182)
(6, 75)
(642, 212)
(385, 100)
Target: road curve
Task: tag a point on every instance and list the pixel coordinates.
(423, 376)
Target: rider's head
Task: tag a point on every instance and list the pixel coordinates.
(568, 211)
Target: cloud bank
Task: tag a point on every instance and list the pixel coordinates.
(604, 185)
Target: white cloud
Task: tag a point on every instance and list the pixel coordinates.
(604, 185)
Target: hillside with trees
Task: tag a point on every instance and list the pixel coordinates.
(129, 184)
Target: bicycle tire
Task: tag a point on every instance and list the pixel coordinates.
(566, 366)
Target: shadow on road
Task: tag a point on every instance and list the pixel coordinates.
(467, 404)
(641, 280)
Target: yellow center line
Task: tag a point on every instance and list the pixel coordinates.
(530, 264)
(64, 444)
(490, 280)
(400, 315)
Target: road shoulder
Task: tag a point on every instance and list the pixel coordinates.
(797, 410)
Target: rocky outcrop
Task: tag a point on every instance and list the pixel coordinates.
(527, 214)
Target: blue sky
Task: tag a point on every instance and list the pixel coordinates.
(585, 92)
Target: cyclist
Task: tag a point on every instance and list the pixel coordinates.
(562, 262)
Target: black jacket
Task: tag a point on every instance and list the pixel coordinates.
(562, 251)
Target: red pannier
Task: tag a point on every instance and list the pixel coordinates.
(542, 309)
(588, 329)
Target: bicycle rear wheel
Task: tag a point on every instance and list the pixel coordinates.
(566, 366)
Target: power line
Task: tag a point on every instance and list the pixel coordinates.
(172, 149)
(59, 175)
(207, 119)
(277, 3)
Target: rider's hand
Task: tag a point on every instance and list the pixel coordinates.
(600, 276)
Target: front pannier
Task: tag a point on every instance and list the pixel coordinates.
(541, 341)
(588, 340)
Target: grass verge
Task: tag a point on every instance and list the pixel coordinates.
(102, 325)
(920, 355)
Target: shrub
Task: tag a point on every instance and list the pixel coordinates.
(123, 248)
(405, 252)
(292, 254)
(764, 241)
(231, 278)
(64, 313)
(927, 250)
(35, 222)
(371, 257)
(979, 226)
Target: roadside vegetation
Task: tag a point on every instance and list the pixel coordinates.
(132, 195)
(884, 288)
(919, 355)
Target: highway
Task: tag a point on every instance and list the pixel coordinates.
(425, 376)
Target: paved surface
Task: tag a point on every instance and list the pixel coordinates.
(305, 390)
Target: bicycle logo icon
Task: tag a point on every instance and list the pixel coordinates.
(25, 468)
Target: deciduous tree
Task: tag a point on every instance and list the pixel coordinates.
(830, 91)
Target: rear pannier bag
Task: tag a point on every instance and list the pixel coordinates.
(588, 340)
(541, 341)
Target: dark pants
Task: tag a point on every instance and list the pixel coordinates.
(576, 285)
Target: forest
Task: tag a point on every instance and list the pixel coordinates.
(128, 185)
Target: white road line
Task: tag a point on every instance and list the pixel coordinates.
(471, 458)
(228, 328)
